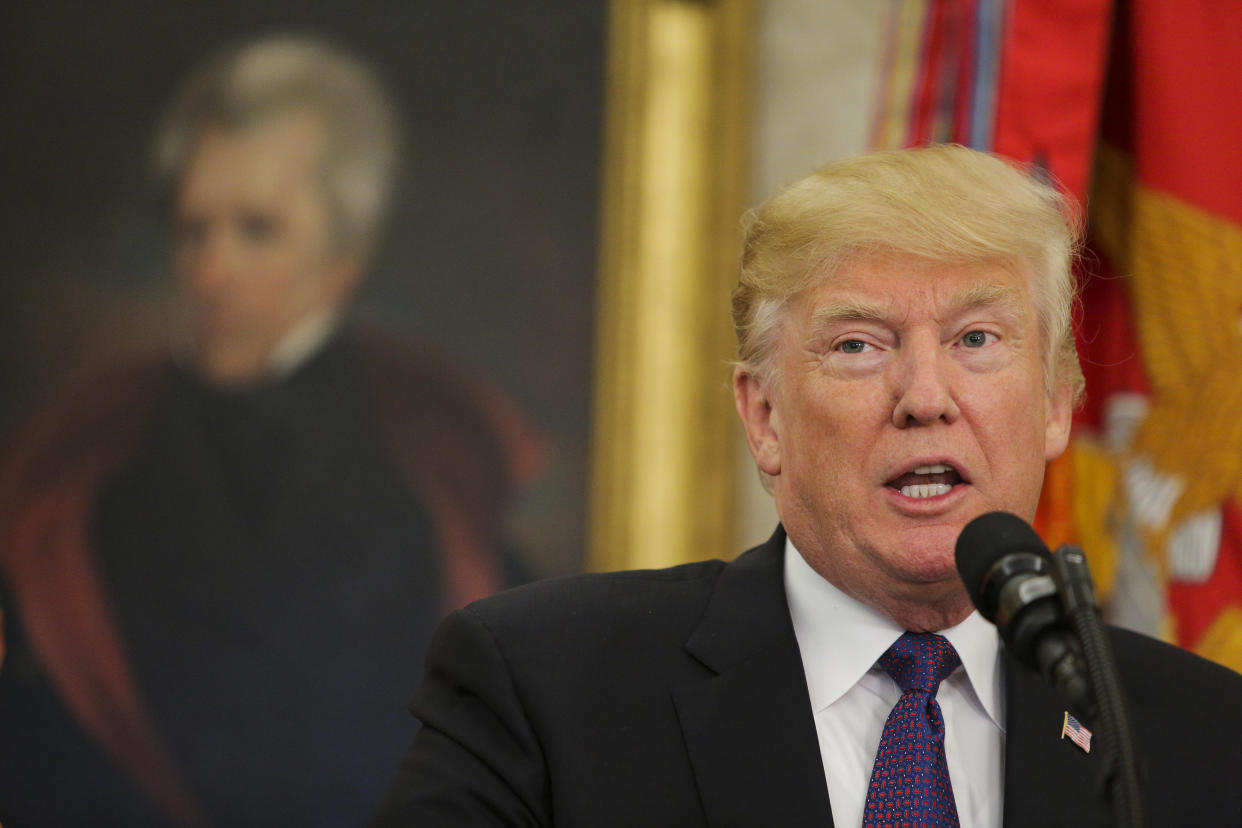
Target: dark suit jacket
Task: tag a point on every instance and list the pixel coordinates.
(216, 599)
(677, 697)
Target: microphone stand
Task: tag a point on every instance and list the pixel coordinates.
(1077, 593)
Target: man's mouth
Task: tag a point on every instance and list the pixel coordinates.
(927, 481)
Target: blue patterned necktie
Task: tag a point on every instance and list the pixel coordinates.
(910, 781)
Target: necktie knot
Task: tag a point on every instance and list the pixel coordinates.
(918, 662)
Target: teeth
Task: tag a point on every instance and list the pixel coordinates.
(926, 489)
(937, 468)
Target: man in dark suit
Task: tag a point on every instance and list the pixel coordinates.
(220, 565)
(906, 363)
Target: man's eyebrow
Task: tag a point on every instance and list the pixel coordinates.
(847, 311)
(983, 294)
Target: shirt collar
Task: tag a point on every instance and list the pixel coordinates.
(302, 342)
(841, 639)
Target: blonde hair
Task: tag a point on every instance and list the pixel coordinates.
(945, 203)
(275, 75)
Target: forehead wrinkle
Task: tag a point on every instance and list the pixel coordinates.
(981, 294)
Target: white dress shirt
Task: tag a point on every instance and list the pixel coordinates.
(851, 697)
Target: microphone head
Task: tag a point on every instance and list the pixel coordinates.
(985, 541)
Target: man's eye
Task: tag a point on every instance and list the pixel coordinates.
(256, 227)
(977, 339)
(852, 346)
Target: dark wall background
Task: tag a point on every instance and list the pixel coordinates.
(490, 251)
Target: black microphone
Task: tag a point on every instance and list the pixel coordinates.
(1044, 607)
(1008, 573)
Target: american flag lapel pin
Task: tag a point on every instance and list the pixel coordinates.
(1072, 729)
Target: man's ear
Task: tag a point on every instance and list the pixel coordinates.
(754, 406)
(1060, 418)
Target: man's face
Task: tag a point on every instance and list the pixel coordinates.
(911, 399)
(251, 244)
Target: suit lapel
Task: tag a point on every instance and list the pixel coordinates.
(749, 729)
(1048, 780)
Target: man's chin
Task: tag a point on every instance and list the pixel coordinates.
(927, 552)
(231, 367)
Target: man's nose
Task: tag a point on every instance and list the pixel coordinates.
(923, 392)
(208, 267)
